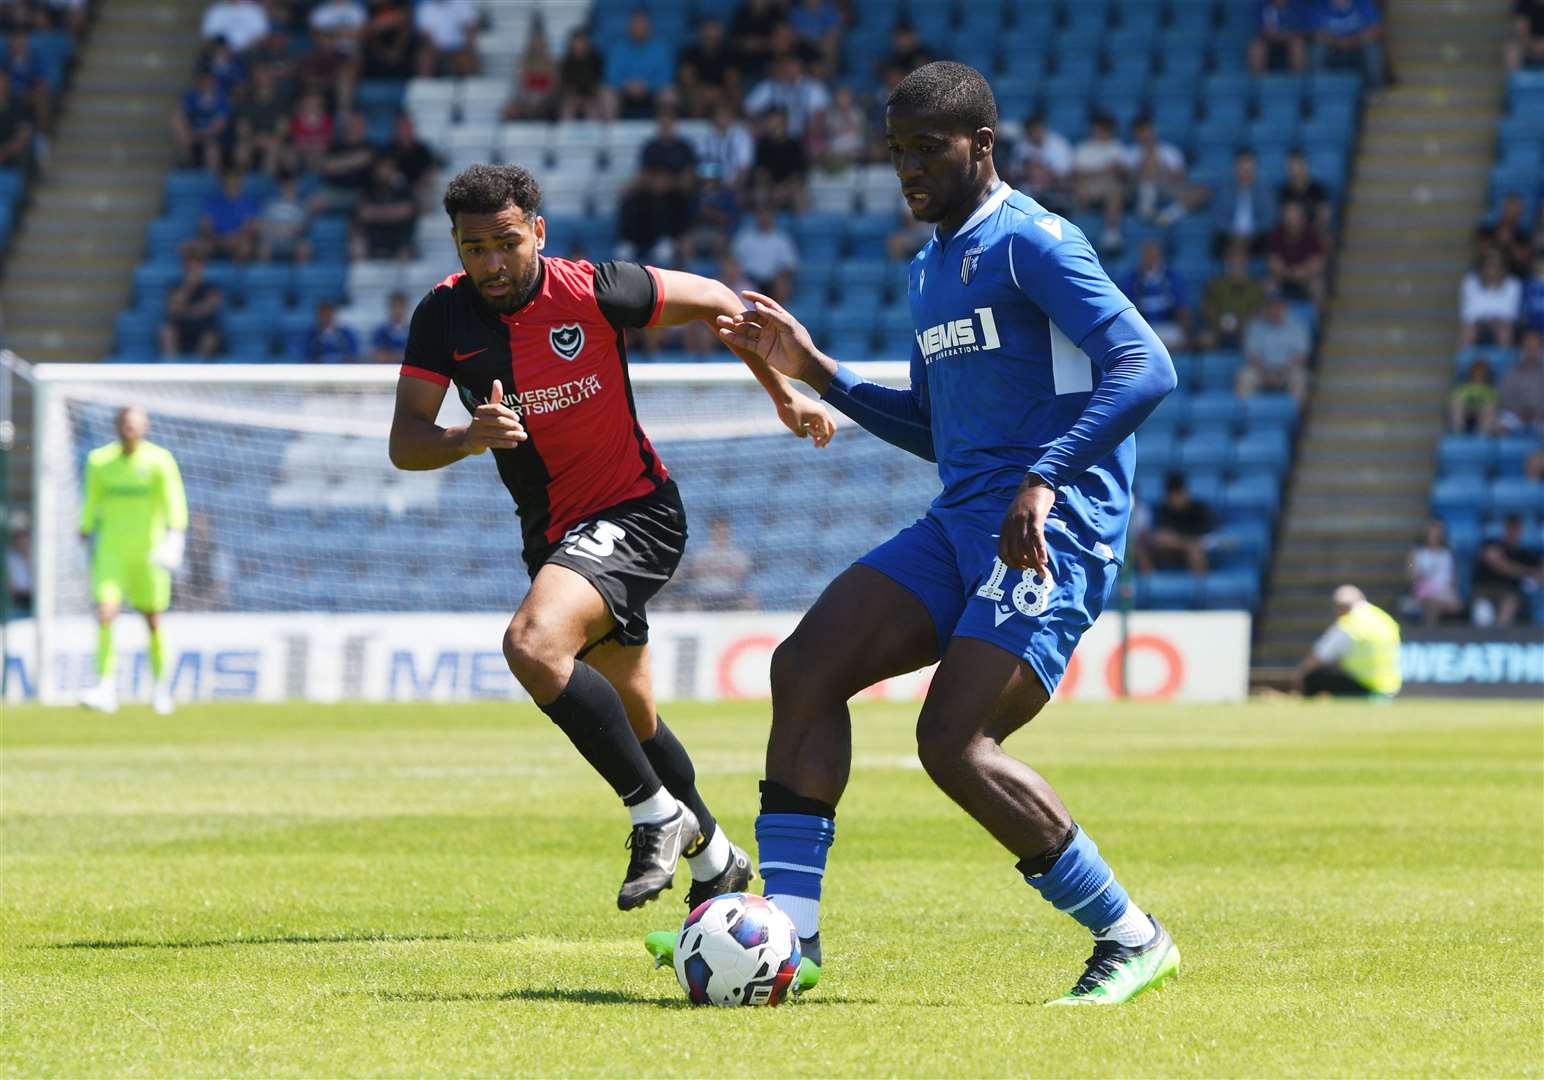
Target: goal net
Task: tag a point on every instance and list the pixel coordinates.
(295, 509)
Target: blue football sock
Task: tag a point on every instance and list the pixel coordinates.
(792, 850)
(1081, 884)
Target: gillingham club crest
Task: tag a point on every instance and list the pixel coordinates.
(968, 266)
(567, 341)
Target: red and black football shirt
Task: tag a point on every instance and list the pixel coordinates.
(563, 362)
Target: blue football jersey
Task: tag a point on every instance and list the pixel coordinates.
(1001, 308)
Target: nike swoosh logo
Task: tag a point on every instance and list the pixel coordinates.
(462, 357)
(999, 616)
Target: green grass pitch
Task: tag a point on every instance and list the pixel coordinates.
(358, 890)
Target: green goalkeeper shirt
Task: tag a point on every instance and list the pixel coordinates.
(131, 500)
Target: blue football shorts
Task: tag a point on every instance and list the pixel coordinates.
(948, 560)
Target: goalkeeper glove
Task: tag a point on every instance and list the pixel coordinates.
(168, 555)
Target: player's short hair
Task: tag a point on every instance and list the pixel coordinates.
(945, 88)
(487, 189)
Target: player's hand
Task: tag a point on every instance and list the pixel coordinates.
(168, 554)
(494, 426)
(1022, 543)
(769, 333)
(806, 417)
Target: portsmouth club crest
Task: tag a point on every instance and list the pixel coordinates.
(567, 340)
(969, 264)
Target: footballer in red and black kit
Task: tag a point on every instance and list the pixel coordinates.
(536, 348)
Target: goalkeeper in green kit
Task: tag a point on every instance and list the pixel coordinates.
(135, 516)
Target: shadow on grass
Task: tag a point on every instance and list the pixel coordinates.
(280, 939)
(570, 996)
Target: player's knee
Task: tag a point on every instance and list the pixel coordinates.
(790, 671)
(949, 757)
(527, 650)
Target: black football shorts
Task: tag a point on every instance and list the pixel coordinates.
(628, 552)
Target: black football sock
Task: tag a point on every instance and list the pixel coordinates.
(673, 766)
(591, 714)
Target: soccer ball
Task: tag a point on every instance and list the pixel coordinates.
(737, 949)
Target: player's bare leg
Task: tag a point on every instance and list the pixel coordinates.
(103, 697)
(561, 614)
(981, 695)
(718, 865)
(864, 628)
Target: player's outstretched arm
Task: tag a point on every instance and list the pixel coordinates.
(693, 298)
(418, 442)
(900, 417)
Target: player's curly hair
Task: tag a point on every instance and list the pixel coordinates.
(487, 189)
(945, 88)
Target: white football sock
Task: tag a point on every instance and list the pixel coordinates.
(712, 859)
(804, 912)
(1132, 928)
(661, 806)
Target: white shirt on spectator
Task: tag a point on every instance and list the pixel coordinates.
(800, 100)
(1053, 153)
(1433, 572)
(445, 22)
(1098, 155)
(764, 254)
(1169, 156)
(1479, 301)
(732, 150)
(242, 23)
(335, 16)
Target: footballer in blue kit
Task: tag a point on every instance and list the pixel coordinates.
(1029, 373)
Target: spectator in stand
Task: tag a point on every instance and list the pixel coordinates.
(1522, 389)
(717, 214)
(1181, 531)
(1276, 347)
(18, 567)
(1526, 49)
(907, 53)
(1506, 573)
(656, 209)
(1472, 404)
(909, 236)
(639, 68)
(349, 163)
(387, 40)
(200, 124)
(1160, 191)
(582, 90)
(385, 216)
(714, 576)
(1281, 42)
(1042, 164)
(767, 254)
(1099, 177)
(1244, 209)
(227, 68)
(1509, 235)
(262, 116)
(1349, 33)
(1232, 298)
(839, 136)
(227, 229)
(1300, 186)
(310, 134)
(818, 23)
(329, 341)
(535, 95)
(343, 20)
(791, 90)
(29, 78)
(281, 226)
(1433, 575)
(193, 306)
(1490, 302)
(1160, 296)
(1297, 255)
(781, 173)
(448, 35)
(71, 15)
(412, 156)
(706, 70)
(243, 23)
(1533, 466)
(16, 131)
(751, 30)
(729, 145)
(329, 70)
(389, 339)
(1533, 295)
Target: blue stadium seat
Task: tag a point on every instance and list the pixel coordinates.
(1168, 590)
(1517, 495)
(1255, 494)
(1265, 450)
(1222, 589)
(1274, 410)
(1172, 412)
(1513, 450)
(1449, 496)
(1206, 450)
(1218, 408)
(1469, 453)
(1155, 450)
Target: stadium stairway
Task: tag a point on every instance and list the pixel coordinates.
(72, 266)
(1363, 478)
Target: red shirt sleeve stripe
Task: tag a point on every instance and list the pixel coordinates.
(659, 296)
(425, 374)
